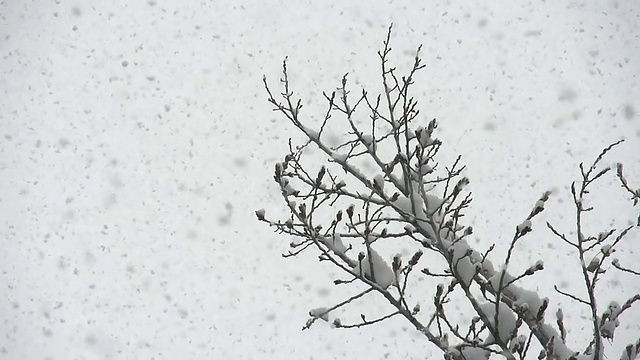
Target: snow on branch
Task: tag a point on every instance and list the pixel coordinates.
(350, 215)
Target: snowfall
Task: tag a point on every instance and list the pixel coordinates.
(136, 142)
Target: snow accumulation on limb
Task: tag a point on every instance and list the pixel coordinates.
(470, 353)
(631, 351)
(523, 298)
(506, 320)
(339, 158)
(336, 244)
(312, 134)
(384, 275)
(321, 313)
(421, 209)
(464, 267)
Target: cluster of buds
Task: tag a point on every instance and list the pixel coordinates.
(424, 135)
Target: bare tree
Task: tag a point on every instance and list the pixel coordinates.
(345, 214)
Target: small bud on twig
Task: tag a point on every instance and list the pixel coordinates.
(594, 264)
(378, 182)
(397, 263)
(350, 211)
(416, 257)
(321, 173)
(416, 309)
(523, 228)
(468, 230)
(542, 309)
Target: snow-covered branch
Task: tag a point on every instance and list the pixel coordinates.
(382, 186)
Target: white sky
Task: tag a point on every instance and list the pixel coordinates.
(136, 142)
